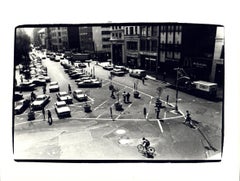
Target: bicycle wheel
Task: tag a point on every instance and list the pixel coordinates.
(140, 148)
(151, 150)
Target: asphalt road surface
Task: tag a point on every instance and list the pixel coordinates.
(98, 136)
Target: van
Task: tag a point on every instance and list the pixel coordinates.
(138, 73)
(205, 88)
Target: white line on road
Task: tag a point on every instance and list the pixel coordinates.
(160, 126)
(99, 105)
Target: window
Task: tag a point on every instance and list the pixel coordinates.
(131, 30)
(60, 40)
(105, 32)
(154, 31)
(59, 33)
(113, 35)
(149, 31)
(106, 39)
(154, 45)
(106, 46)
(136, 30)
(132, 45)
(142, 45)
(148, 45)
(126, 30)
(143, 31)
(120, 35)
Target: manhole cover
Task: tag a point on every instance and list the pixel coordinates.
(121, 131)
(124, 141)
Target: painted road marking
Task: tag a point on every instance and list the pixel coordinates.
(100, 105)
(98, 118)
(160, 126)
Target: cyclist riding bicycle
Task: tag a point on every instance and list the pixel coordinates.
(145, 143)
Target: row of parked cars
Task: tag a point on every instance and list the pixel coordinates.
(82, 79)
(121, 71)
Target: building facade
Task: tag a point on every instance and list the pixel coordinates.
(59, 38)
(102, 46)
(117, 45)
(86, 39)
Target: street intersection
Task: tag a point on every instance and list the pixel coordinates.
(105, 135)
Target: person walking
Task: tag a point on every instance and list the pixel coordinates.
(188, 118)
(43, 112)
(50, 117)
(128, 97)
(143, 80)
(157, 110)
(69, 89)
(33, 96)
(167, 99)
(111, 112)
(145, 112)
(124, 96)
(44, 89)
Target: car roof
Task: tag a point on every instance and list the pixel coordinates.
(60, 103)
(51, 83)
(41, 96)
(62, 92)
(78, 91)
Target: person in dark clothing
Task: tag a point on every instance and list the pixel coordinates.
(188, 118)
(43, 112)
(44, 89)
(124, 96)
(143, 80)
(69, 89)
(33, 96)
(145, 112)
(128, 97)
(50, 117)
(157, 112)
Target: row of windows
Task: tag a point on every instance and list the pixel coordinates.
(171, 28)
(148, 45)
(117, 35)
(116, 27)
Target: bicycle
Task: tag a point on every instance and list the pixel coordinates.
(150, 150)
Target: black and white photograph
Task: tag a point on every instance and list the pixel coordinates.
(119, 92)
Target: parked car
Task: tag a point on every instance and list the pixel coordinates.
(108, 67)
(117, 72)
(21, 106)
(90, 83)
(53, 86)
(124, 69)
(17, 96)
(77, 75)
(39, 82)
(57, 58)
(85, 77)
(40, 102)
(62, 110)
(138, 73)
(64, 96)
(42, 77)
(80, 95)
(82, 65)
(26, 86)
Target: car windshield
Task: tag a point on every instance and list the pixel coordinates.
(54, 83)
(40, 98)
(61, 105)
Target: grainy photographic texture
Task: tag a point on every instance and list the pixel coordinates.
(118, 92)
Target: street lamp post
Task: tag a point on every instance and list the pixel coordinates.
(176, 105)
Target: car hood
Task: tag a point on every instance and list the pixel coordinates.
(63, 109)
(18, 107)
(53, 86)
(35, 103)
(64, 98)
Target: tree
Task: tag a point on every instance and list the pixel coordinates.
(22, 47)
